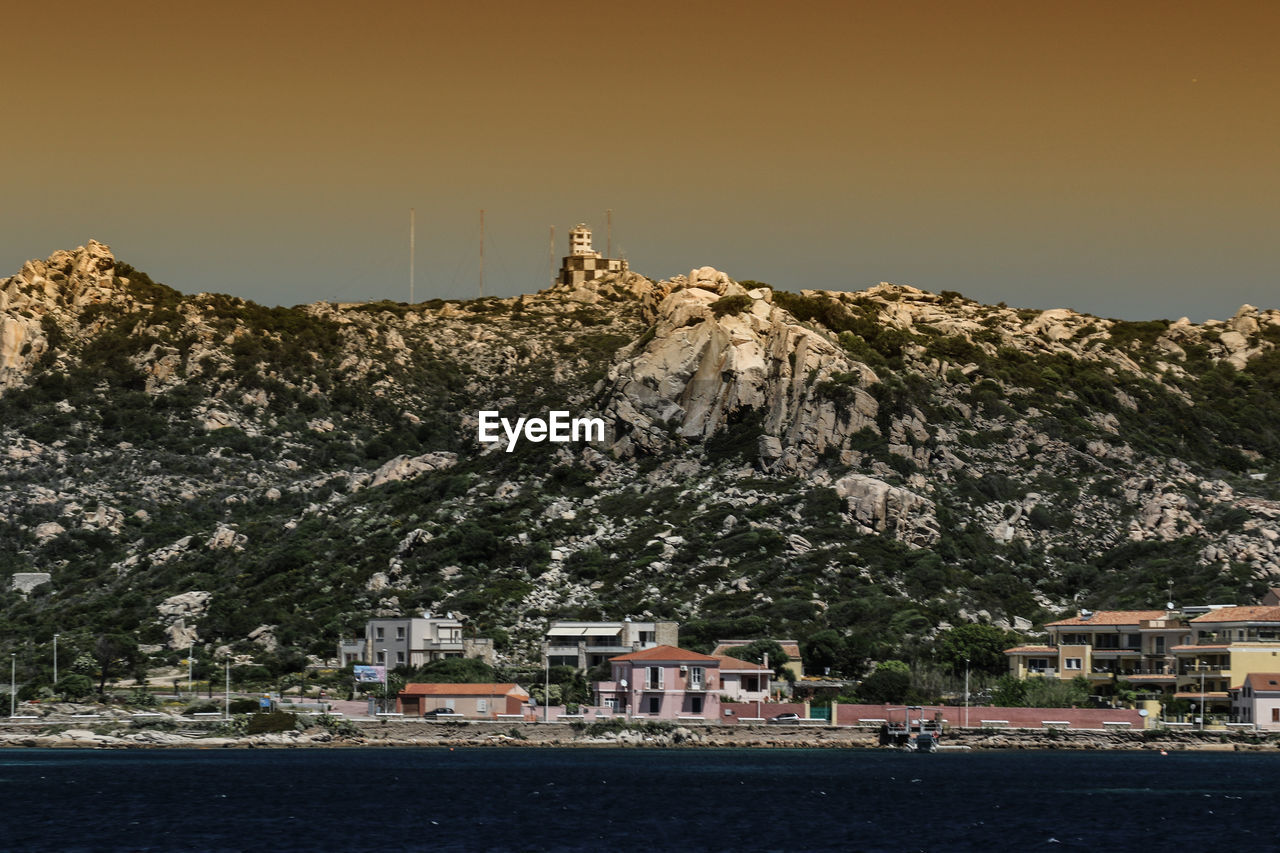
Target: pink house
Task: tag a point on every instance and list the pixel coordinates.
(663, 683)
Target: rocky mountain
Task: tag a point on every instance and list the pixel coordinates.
(201, 470)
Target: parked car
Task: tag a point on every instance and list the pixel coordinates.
(784, 718)
(438, 712)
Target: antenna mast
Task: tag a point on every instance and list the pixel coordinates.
(551, 257)
(411, 230)
(482, 253)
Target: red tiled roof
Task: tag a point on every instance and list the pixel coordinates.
(667, 653)
(461, 689)
(728, 663)
(1026, 650)
(1239, 614)
(1113, 617)
(1220, 647)
(1268, 681)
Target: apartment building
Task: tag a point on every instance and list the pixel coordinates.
(587, 644)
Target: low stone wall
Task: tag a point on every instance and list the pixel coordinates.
(394, 732)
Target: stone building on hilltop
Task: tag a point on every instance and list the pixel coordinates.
(584, 264)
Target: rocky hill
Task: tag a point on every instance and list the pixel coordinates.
(203, 470)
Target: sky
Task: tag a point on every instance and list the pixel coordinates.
(1120, 159)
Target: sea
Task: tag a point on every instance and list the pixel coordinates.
(554, 799)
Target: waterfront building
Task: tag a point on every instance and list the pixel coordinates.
(414, 641)
(586, 644)
(663, 683)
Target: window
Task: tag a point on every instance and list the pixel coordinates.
(1275, 715)
(751, 683)
(653, 678)
(695, 704)
(655, 704)
(1159, 645)
(1072, 663)
(382, 658)
(399, 657)
(697, 678)
(1037, 664)
(400, 632)
(379, 633)
(482, 705)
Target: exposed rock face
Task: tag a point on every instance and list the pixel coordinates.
(887, 509)
(24, 582)
(177, 611)
(404, 468)
(707, 367)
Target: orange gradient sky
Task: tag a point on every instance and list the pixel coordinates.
(1115, 158)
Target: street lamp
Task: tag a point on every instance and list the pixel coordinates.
(966, 693)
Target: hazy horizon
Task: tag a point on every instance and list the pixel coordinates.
(1119, 161)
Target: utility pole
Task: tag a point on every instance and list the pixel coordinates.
(482, 253)
(411, 235)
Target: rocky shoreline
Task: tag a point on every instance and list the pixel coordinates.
(179, 733)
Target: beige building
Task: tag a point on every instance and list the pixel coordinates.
(1227, 645)
(1105, 646)
(587, 644)
(790, 647)
(413, 641)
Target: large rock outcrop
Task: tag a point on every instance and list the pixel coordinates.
(719, 353)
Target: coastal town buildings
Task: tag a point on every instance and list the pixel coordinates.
(1257, 700)
(473, 701)
(663, 683)
(413, 641)
(794, 664)
(1106, 646)
(586, 644)
(1227, 645)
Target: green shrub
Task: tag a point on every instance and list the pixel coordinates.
(731, 305)
(271, 721)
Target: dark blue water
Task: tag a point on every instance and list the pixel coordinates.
(642, 799)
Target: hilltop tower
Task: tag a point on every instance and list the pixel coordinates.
(583, 263)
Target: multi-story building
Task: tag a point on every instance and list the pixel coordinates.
(1257, 700)
(663, 682)
(414, 641)
(1227, 645)
(587, 644)
(1108, 645)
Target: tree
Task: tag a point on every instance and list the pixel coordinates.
(825, 650)
(755, 651)
(889, 684)
(454, 671)
(74, 686)
(982, 645)
(114, 654)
